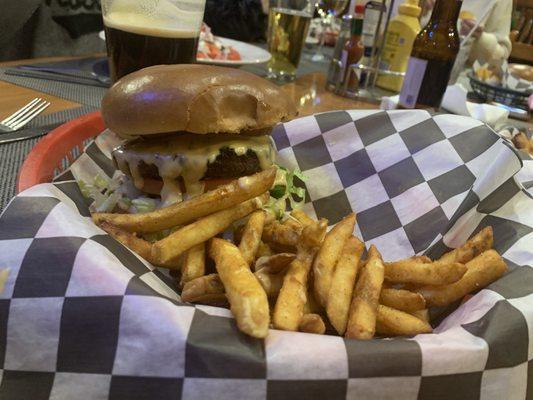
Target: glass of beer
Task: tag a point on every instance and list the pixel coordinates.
(288, 23)
(141, 33)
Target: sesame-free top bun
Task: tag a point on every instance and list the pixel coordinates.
(194, 98)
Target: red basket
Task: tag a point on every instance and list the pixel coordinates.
(57, 150)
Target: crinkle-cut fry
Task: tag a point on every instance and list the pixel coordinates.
(422, 314)
(138, 245)
(482, 241)
(275, 263)
(289, 307)
(403, 300)
(202, 286)
(392, 322)
(248, 301)
(270, 282)
(363, 310)
(263, 250)
(342, 284)
(481, 271)
(251, 236)
(302, 217)
(435, 273)
(193, 265)
(327, 256)
(280, 234)
(312, 323)
(169, 249)
(184, 212)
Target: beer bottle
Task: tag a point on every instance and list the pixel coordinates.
(432, 58)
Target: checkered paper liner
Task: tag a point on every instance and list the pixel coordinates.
(81, 316)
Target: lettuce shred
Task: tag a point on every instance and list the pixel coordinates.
(285, 193)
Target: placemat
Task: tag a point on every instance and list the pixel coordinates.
(12, 155)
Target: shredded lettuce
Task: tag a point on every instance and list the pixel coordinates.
(144, 204)
(285, 192)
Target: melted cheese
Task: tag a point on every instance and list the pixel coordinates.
(187, 156)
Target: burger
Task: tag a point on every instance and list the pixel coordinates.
(190, 128)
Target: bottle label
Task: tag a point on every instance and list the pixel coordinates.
(413, 81)
(344, 62)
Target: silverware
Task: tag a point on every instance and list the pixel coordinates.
(27, 133)
(24, 115)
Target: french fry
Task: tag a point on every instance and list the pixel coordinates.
(342, 284)
(169, 249)
(312, 323)
(479, 243)
(138, 245)
(302, 217)
(280, 234)
(481, 271)
(271, 283)
(391, 322)
(251, 236)
(421, 314)
(327, 257)
(193, 263)
(289, 307)
(274, 264)
(247, 299)
(435, 273)
(311, 305)
(263, 250)
(293, 224)
(363, 310)
(402, 300)
(201, 286)
(226, 196)
(408, 261)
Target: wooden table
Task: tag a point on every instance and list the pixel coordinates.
(308, 92)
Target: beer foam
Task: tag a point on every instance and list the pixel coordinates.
(161, 18)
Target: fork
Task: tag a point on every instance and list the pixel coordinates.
(24, 115)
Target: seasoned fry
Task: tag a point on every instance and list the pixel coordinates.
(293, 224)
(393, 322)
(312, 323)
(274, 264)
(362, 317)
(247, 299)
(289, 307)
(193, 264)
(138, 245)
(270, 282)
(263, 250)
(479, 243)
(422, 314)
(311, 305)
(328, 255)
(181, 213)
(302, 217)
(408, 261)
(402, 300)
(342, 284)
(170, 248)
(481, 271)
(202, 286)
(278, 233)
(251, 236)
(435, 273)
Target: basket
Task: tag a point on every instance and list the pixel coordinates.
(499, 94)
(56, 151)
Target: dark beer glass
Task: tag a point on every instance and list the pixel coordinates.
(141, 33)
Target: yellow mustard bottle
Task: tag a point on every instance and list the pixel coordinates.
(401, 34)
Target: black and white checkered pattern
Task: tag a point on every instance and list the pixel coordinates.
(81, 316)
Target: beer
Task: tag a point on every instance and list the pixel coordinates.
(287, 30)
(132, 47)
(432, 58)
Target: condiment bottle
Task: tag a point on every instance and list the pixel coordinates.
(352, 50)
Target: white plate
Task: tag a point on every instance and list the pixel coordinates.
(250, 54)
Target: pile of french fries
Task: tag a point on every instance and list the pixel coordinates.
(293, 274)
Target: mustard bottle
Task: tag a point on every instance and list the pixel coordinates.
(398, 44)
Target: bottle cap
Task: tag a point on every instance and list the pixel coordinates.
(410, 7)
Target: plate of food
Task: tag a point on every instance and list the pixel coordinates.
(225, 51)
(208, 242)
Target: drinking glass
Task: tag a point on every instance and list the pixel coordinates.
(141, 33)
